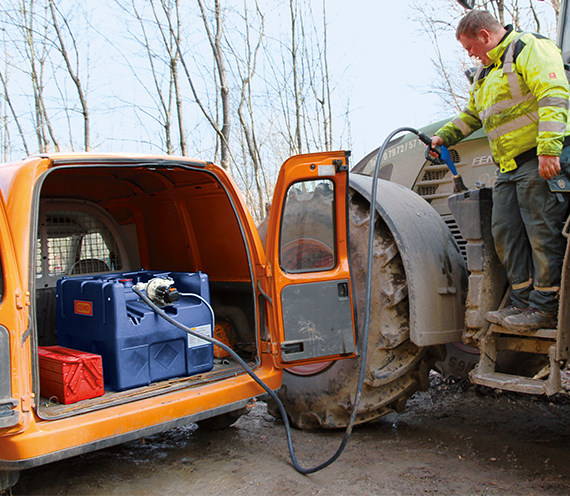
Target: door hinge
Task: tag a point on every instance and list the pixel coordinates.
(22, 300)
(27, 402)
(339, 166)
(268, 270)
(265, 347)
(260, 270)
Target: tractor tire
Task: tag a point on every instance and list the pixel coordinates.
(321, 395)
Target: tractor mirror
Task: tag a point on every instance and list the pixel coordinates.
(470, 74)
(468, 4)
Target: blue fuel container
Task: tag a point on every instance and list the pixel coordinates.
(102, 314)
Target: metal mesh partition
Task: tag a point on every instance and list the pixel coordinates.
(75, 242)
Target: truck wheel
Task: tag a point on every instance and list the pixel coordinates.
(8, 479)
(224, 420)
(321, 395)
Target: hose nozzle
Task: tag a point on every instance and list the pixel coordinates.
(444, 156)
(458, 184)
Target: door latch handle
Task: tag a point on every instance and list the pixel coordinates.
(343, 290)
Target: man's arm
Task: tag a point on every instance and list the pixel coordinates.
(541, 66)
(460, 127)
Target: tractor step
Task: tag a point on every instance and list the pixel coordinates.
(541, 341)
(511, 383)
(540, 333)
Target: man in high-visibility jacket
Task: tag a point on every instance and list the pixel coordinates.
(520, 98)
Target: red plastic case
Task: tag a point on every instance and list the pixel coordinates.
(70, 375)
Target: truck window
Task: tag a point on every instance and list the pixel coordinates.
(307, 241)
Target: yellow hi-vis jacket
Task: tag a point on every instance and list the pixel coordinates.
(520, 99)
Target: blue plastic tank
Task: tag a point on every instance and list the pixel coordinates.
(101, 314)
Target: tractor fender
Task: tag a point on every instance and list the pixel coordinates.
(435, 269)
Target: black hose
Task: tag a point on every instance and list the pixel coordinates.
(363, 338)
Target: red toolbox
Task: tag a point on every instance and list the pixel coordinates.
(70, 375)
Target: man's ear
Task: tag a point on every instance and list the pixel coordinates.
(484, 36)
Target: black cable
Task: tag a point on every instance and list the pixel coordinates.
(363, 339)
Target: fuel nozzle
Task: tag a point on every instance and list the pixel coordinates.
(161, 291)
(443, 156)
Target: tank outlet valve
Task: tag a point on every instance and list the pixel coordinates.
(160, 290)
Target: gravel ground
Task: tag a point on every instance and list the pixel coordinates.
(454, 439)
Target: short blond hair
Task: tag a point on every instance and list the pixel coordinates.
(475, 21)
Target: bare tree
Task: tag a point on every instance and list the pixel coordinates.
(158, 32)
(215, 40)
(164, 96)
(171, 40)
(262, 97)
(296, 90)
(326, 101)
(73, 71)
(246, 68)
(9, 103)
(36, 53)
(439, 19)
(174, 58)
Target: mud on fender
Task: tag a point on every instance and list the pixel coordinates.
(434, 266)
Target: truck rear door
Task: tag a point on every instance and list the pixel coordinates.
(14, 348)
(308, 260)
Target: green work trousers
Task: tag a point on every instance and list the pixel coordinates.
(527, 229)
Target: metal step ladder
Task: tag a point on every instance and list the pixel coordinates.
(554, 343)
(543, 341)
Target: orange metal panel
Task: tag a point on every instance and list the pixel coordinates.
(295, 169)
(45, 437)
(37, 437)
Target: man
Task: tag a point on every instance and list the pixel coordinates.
(520, 98)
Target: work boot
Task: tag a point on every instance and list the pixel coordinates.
(498, 316)
(531, 319)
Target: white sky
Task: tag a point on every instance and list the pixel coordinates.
(382, 58)
(389, 68)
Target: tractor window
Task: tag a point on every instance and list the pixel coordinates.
(307, 241)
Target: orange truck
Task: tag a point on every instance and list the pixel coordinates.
(77, 231)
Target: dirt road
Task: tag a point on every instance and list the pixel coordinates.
(454, 439)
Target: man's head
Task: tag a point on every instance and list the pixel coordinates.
(479, 32)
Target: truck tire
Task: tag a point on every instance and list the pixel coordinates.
(224, 420)
(8, 479)
(321, 396)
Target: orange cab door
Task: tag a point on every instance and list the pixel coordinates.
(14, 368)
(307, 258)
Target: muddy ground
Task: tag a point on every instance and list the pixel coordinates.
(454, 439)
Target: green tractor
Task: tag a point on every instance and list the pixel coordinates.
(399, 360)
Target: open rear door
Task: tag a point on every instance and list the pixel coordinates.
(15, 393)
(308, 260)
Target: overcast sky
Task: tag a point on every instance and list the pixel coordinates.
(379, 61)
(389, 68)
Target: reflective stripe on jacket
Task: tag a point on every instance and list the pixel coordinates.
(520, 99)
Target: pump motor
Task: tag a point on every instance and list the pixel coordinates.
(160, 290)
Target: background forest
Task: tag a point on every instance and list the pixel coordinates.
(244, 83)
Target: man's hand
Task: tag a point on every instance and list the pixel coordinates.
(548, 166)
(435, 141)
